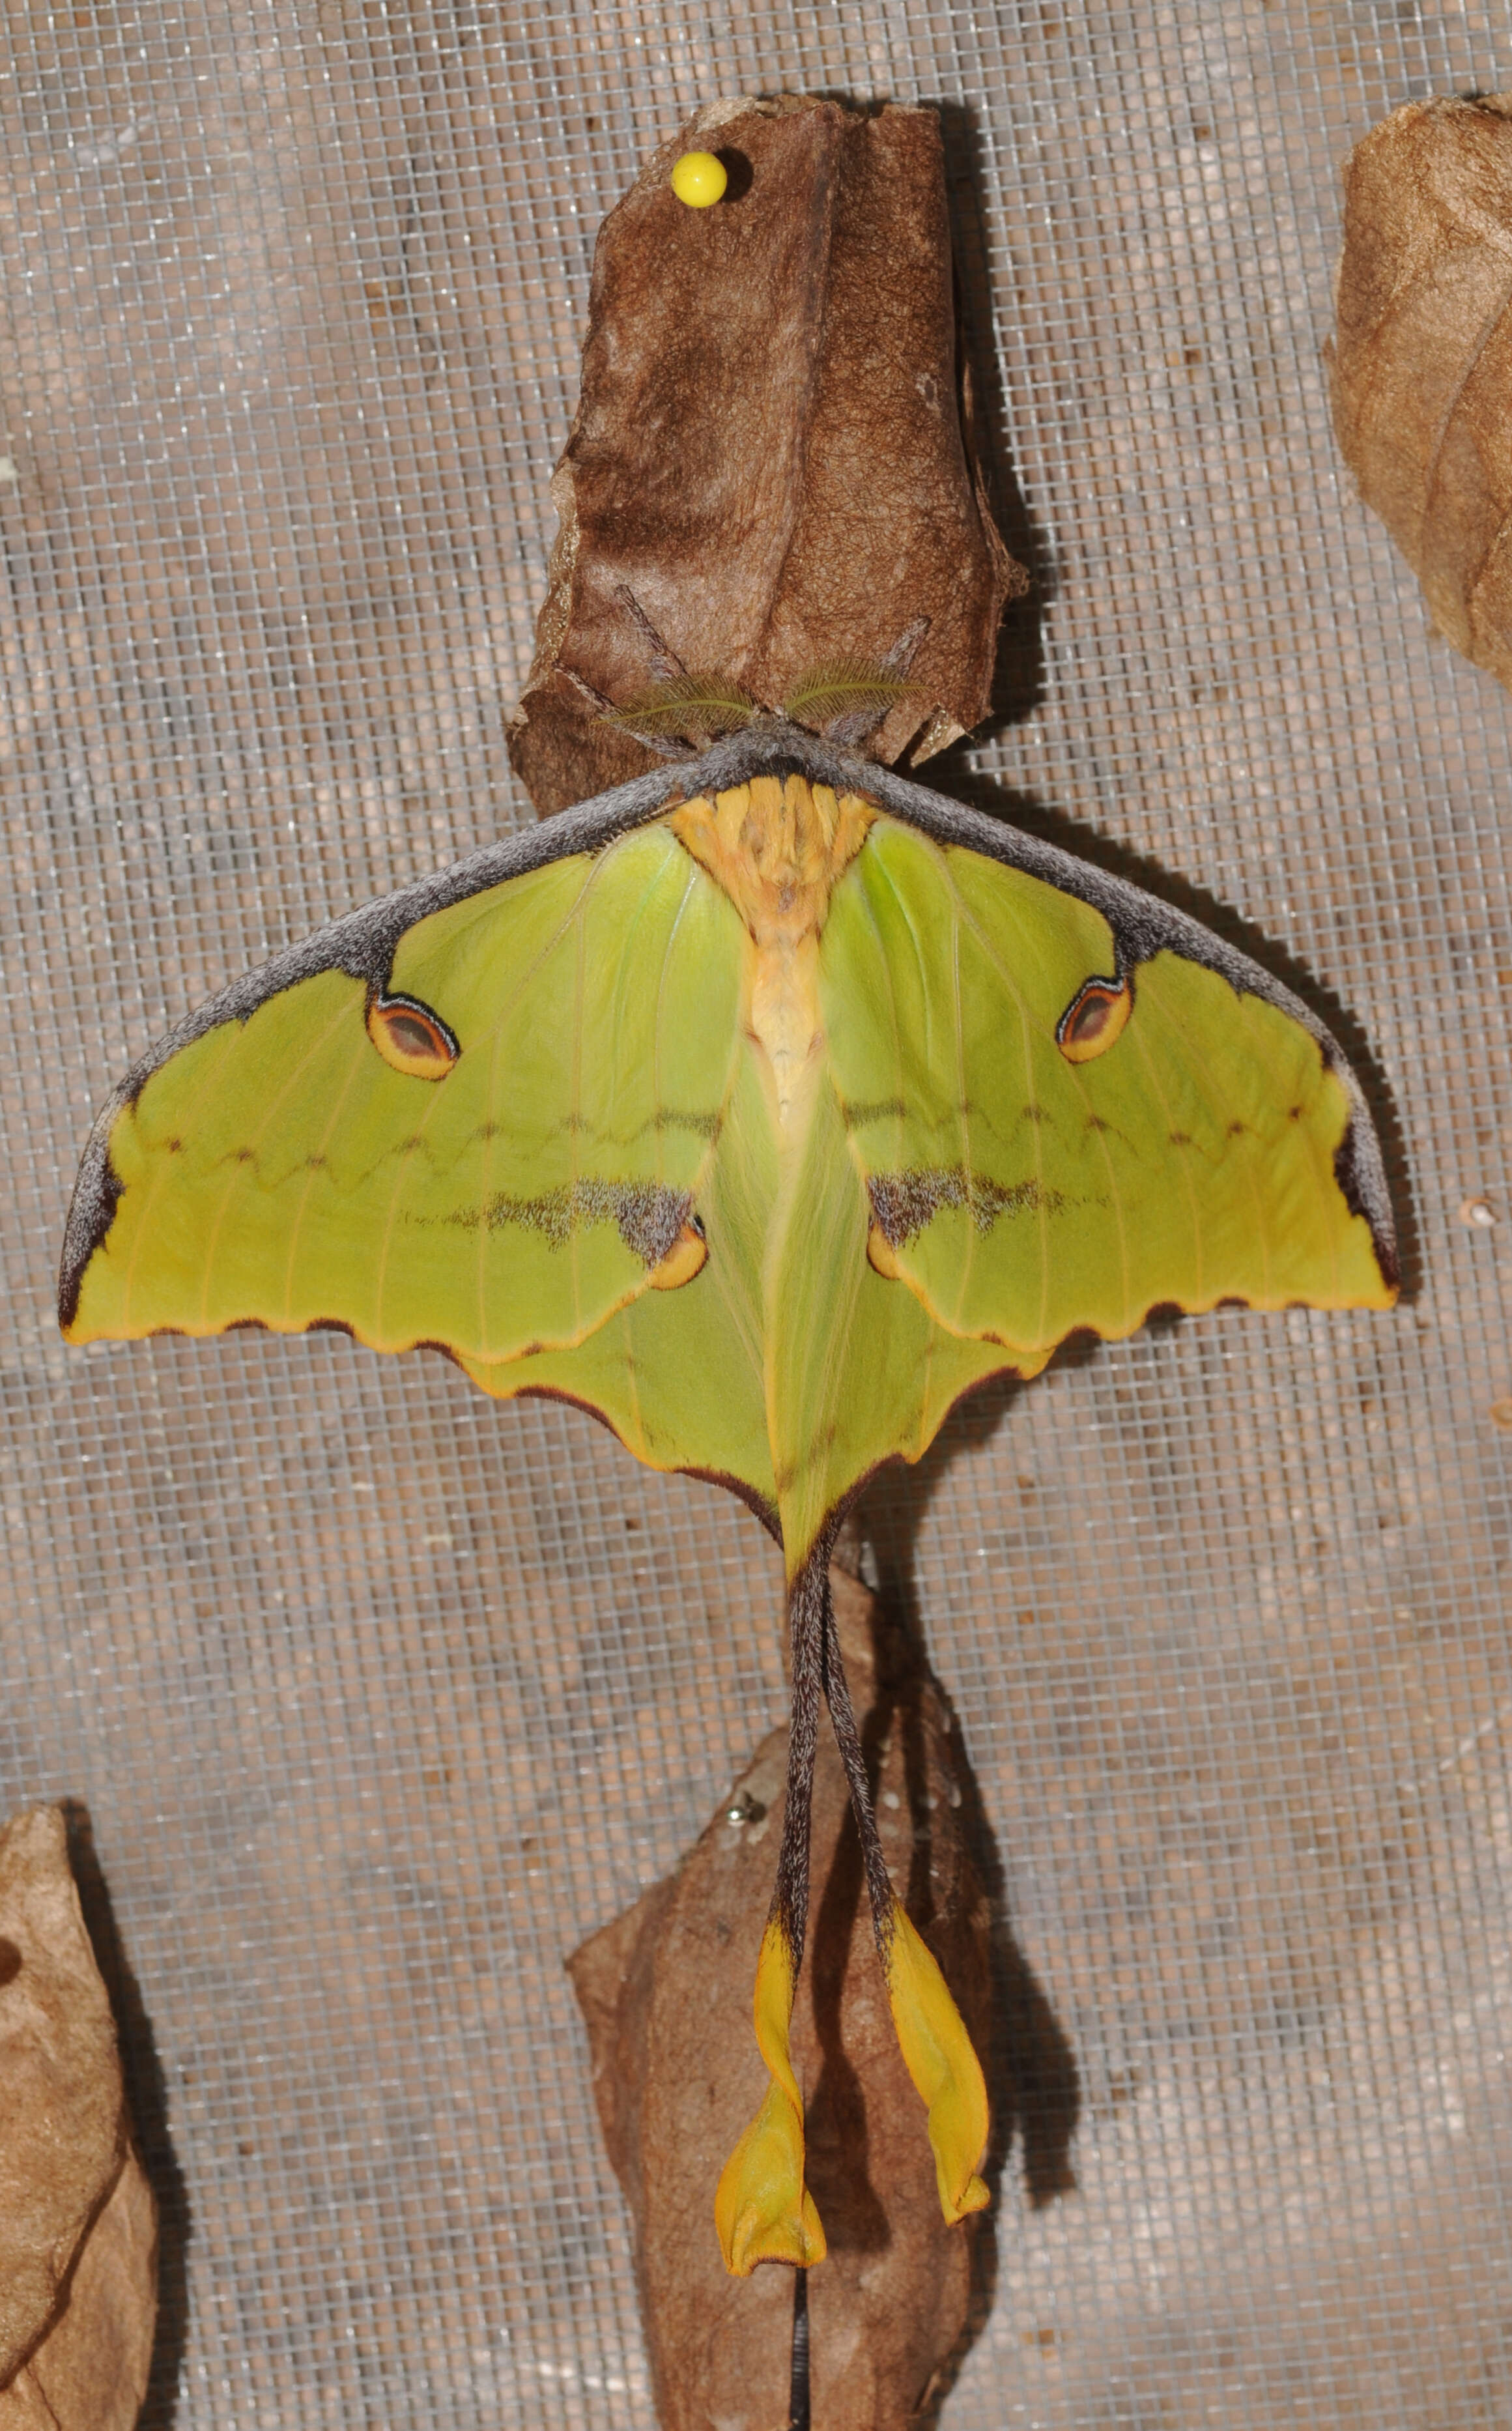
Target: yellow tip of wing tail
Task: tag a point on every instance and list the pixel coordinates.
(938, 2055)
(763, 2210)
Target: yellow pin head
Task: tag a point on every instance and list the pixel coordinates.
(699, 180)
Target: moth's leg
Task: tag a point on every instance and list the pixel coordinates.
(905, 650)
(665, 665)
(853, 726)
(660, 743)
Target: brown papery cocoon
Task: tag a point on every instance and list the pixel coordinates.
(773, 447)
(666, 1992)
(1422, 361)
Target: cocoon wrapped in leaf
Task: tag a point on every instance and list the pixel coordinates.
(658, 1987)
(773, 449)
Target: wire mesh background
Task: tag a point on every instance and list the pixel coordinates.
(295, 296)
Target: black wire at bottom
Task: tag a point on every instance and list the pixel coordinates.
(797, 2395)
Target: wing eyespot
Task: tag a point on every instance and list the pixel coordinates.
(1094, 1019)
(686, 1258)
(881, 1256)
(410, 1037)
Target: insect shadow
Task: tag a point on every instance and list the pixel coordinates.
(147, 2101)
(1019, 672)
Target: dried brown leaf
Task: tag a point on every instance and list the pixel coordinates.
(90, 2372)
(768, 453)
(1422, 358)
(61, 2126)
(77, 2223)
(675, 2086)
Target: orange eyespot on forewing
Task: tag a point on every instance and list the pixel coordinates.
(410, 1037)
(683, 1260)
(1094, 1019)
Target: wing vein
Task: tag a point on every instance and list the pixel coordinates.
(260, 1135)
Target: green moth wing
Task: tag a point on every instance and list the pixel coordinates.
(525, 1112)
(1025, 1182)
(303, 1166)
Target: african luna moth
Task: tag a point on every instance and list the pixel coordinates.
(762, 1106)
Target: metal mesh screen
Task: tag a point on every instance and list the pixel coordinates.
(295, 298)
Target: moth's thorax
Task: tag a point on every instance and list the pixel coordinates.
(778, 846)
